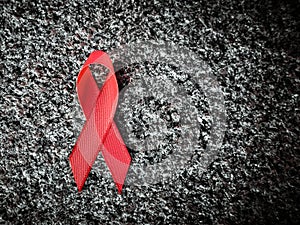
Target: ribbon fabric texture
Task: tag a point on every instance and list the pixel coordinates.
(99, 132)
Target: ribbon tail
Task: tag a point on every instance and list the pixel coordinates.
(116, 156)
(80, 167)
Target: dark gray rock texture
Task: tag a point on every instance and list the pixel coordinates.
(252, 48)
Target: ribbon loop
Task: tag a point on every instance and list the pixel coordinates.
(99, 132)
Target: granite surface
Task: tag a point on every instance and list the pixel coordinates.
(251, 47)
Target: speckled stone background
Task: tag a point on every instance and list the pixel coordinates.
(252, 48)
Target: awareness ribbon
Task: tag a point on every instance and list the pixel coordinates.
(99, 132)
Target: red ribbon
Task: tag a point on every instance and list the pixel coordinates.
(99, 133)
